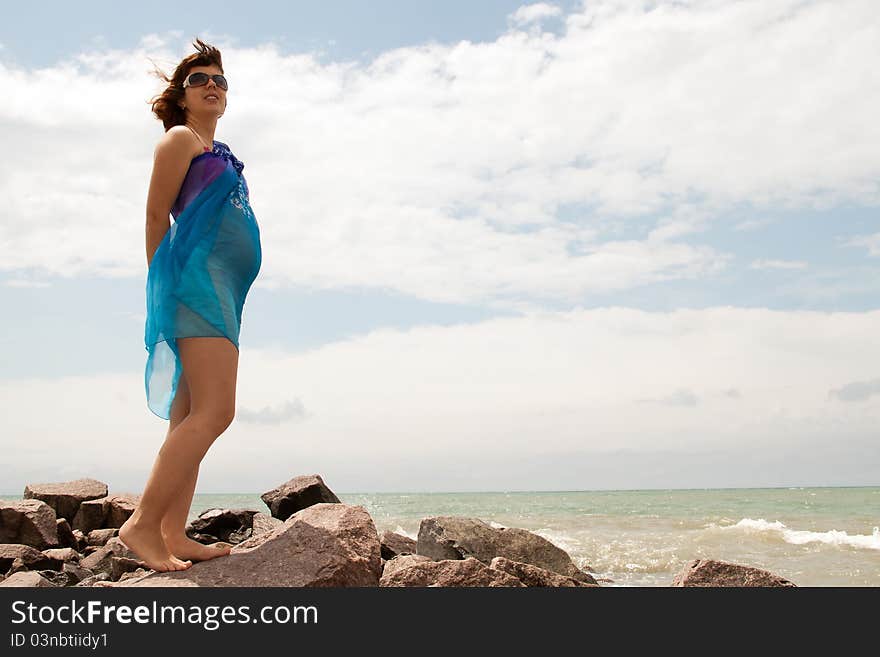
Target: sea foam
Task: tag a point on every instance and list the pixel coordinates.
(802, 537)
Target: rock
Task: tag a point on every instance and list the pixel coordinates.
(418, 570)
(66, 537)
(121, 565)
(57, 577)
(296, 494)
(27, 578)
(81, 540)
(92, 579)
(100, 561)
(324, 545)
(101, 536)
(91, 515)
(263, 523)
(710, 572)
(75, 573)
(65, 497)
(229, 525)
(119, 509)
(531, 575)
(31, 558)
(63, 554)
(394, 544)
(17, 565)
(453, 537)
(28, 522)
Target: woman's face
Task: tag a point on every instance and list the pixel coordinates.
(207, 99)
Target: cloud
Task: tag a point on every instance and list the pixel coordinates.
(856, 391)
(547, 383)
(290, 410)
(871, 242)
(778, 264)
(534, 13)
(680, 397)
(441, 171)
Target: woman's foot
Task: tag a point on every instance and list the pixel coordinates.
(184, 547)
(148, 544)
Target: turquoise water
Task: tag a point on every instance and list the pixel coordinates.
(811, 536)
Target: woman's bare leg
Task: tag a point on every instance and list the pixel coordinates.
(174, 520)
(212, 367)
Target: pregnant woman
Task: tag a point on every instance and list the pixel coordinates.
(200, 269)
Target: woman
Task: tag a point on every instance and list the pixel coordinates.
(200, 270)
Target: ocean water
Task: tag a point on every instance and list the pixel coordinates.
(811, 536)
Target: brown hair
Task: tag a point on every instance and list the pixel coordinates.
(165, 105)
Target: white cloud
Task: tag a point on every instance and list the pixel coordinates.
(534, 13)
(386, 406)
(438, 170)
(778, 264)
(871, 242)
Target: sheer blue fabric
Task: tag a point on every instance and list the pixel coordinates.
(202, 271)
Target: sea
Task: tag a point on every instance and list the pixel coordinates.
(639, 538)
(810, 536)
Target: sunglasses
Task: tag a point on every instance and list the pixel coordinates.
(201, 79)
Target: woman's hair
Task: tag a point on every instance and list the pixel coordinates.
(165, 105)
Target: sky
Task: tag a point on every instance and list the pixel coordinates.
(608, 244)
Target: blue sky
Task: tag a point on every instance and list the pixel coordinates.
(545, 229)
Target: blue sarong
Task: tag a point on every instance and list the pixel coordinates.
(200, 275)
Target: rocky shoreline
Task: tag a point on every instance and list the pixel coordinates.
(66, 534)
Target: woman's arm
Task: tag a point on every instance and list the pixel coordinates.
(170, 164)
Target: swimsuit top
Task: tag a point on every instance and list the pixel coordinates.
(204, 169)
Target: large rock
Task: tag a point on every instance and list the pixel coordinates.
(297, 494)
(28, 522)
(65, 497)
(101, 560)
(91, 515)
(453, 537)
(325, 545)
(709, 572)
(110, 511)
(263, 523)
(229, 525)
(31, 558)
(27, 578)
(66, 537)
(421, 571)
(394, 544)
(531, 575)
(119, 509)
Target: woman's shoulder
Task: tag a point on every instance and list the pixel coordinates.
(180, 138)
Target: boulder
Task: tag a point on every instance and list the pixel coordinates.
(324, 545)
(263, 523)
(119, 566)
(531, 575)
(31, 558)
(65, 497)
(90, 515)
(91, 580)
(296, 494)
(27, 578)
(119, 509)
(710, 572)
(28, 522)
(63, 554)
(75, 573)
(453, 537)
(421, 571)
(101, 560)
(101, 536)
(394, 544)
(66, 536)
(229, 525)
